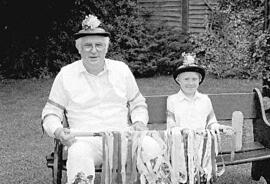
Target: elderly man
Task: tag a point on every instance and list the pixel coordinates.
(98, 94)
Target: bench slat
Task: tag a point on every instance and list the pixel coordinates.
(157, 107)
(226, 148)
(245, 157)
(252, 151)
(160, 126)
(224, 105)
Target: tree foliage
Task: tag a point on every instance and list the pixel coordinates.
(230, 46)
(37, 43)
(148, 49)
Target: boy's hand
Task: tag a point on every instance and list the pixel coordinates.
(63, 134)
(228, 130)
(215, 126)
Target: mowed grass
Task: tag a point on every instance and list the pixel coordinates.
(23, 148)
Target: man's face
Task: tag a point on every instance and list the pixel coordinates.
(93, 49)
(189, 82)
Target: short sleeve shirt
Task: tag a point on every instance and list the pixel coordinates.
(196, 113)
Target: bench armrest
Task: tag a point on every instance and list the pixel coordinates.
(260, 106)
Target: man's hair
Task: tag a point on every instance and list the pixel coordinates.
(78, 43)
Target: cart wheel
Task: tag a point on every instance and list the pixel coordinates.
(57, 162)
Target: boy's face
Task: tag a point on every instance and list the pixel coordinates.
(189, 82)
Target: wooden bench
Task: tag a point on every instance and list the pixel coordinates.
(250, 104)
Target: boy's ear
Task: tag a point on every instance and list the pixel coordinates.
(200, 77)
(177, 79)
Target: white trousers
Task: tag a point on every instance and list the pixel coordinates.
(85, 153)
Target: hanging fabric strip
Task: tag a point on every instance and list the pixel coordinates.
(124, 153)
(136, 141)
(186, 156)
(116, 158)
(178, 156)
(213, 155)
(129, 160)
(222, 170)
(104, 163)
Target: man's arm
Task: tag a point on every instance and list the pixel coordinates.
(52, 114)
(136, 103)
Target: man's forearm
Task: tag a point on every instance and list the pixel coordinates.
(140, 114)
(51, 123)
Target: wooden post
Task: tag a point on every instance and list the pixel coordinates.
(185, 12)
(265, 74)
(57, 162)
(237, 124)
(266, 15)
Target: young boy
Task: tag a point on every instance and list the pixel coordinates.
(190, 109)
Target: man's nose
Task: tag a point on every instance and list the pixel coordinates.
(93, 50)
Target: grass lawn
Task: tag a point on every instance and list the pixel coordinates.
(23, 148)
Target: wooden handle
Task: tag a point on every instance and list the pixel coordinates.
(86, 134)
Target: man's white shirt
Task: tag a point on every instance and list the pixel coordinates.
(94, 103)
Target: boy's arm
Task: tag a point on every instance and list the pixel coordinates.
(211, 119)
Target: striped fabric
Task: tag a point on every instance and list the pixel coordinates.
(187, 157)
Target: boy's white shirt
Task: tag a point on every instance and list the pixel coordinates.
(195, 113)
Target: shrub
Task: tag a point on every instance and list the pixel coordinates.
(228, 44)
(232, 46)
(148, 49)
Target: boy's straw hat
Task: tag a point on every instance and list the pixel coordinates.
(189, 65)
(90, 27)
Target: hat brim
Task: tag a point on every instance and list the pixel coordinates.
(79, 35)
(197, 69)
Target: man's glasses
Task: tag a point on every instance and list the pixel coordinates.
(98, 47)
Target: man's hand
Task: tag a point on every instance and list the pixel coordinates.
(63, 134)
(139, 126)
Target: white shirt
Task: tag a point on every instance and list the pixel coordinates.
(196, 113)
(95, 103)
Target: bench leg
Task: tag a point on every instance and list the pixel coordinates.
(57, 165)
(261, 134)
(261, 168)
(57, 176)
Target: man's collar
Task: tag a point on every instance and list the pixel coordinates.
(81, 68)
